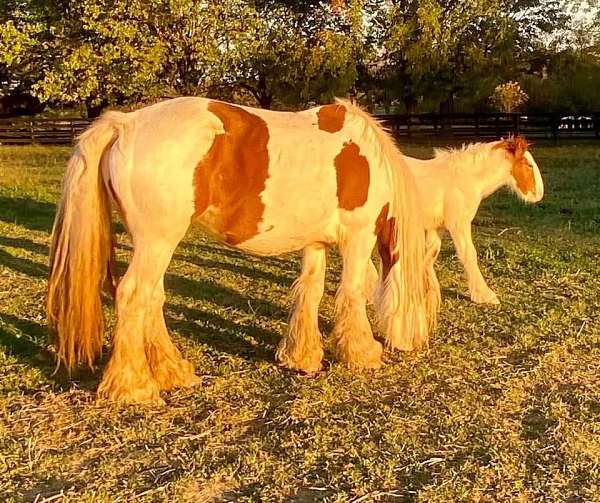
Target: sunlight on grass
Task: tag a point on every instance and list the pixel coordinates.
(504, 406)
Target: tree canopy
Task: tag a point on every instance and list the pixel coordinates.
(413, 54)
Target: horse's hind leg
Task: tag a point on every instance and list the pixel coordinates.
(144, 360)
(302, 347)
(168, 367)
(352, 336)
(128, 377)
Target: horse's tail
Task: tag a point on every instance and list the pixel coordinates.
(406, 298)
(81, 251)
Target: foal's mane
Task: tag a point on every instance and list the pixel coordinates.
(467, 155)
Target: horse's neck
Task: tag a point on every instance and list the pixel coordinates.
(485, 172)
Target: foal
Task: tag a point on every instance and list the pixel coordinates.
(450, 189)
(263, 182)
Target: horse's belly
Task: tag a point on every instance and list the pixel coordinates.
(285, 226)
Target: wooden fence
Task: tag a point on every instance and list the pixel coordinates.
(42, 131)
(487, 126)
(417, 127)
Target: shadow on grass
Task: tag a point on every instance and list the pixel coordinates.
(223, 296)
(283, 279)
(30, 213)
(24, 266)
(26, 244)
(26, 340)
(221, 334)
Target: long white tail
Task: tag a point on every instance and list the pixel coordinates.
(81, 249)
(406, 300)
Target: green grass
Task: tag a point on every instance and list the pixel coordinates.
(504, 406)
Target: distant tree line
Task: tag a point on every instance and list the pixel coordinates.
(405, 55)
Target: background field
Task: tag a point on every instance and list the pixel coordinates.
(504, 406)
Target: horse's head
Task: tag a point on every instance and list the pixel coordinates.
(524, 177)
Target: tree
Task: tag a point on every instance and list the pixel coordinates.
(272, 51)
(509, 97)
(441, 49)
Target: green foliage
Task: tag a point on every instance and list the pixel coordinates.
(123, 51)
(567, 83)
(423, 54)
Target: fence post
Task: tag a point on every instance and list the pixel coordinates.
(31, 131)
(554, 124)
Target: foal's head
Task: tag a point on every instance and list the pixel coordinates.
(524, 176)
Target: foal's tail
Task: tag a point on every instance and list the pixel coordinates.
(406, 298)
(81, 250)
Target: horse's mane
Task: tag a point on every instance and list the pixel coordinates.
(468, 155)
(376, 132)
(419, 300)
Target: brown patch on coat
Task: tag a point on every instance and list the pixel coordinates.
(231, 176)
(331, 118)
(521, 170)
(353, 177)
(385, 230)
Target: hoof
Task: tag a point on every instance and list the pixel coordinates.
(171, 374)
(485, 297)
(400, 344)
(148, 394)
(361, 356)
(309, 364)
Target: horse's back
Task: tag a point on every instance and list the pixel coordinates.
(267, 182)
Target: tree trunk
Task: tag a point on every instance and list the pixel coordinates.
(94, 110)
(265, 100)
(410, 103)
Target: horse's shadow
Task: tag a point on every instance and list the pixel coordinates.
(26, 339)
(245, 269)
(31, 213)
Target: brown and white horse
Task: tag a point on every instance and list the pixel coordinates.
(263, 182)
(452, 185)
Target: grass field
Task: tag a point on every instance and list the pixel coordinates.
(504, 406)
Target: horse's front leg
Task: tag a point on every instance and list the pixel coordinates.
(352, 336)
(302, 348)
(465, 249)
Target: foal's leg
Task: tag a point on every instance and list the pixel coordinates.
(371, 281)
(433, 246)
(128, 377)
(480, 291)
(302, 347)
(352, 336)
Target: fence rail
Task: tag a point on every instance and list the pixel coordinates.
(42, 131)
(419, 126)
(486, 126)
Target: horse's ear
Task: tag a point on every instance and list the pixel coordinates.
(515, 145)
(521, 146)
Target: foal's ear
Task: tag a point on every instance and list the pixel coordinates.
(515, 145)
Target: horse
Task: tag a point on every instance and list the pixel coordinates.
(263, 182)
(452, 185)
